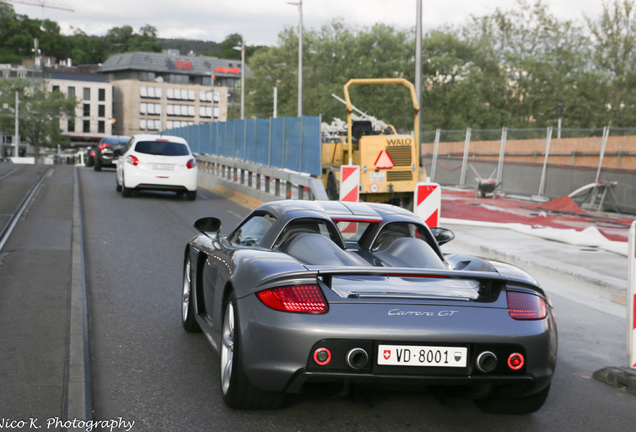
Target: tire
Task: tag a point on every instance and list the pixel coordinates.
(237, 391)
(188, 312)
(117, 185)
(125, 192)
(498, 404)
(191, 196)
(98, 165)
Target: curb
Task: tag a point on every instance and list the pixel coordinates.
(619, 377)
(79, 402)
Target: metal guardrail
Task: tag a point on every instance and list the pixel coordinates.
(258, 181)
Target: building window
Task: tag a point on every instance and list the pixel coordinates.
(71, 92)
(87, 110)
(101, 111)
(101, 126)
(87, 93)
(56, 88)
(87, 126)
(102, 95)
(71, 125)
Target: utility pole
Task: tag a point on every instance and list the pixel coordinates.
(300, 56)
(16, 152)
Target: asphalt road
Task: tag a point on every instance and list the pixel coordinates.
(147, 370)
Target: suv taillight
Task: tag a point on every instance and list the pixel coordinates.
(132, 160)
(525, 306)
(295, 298)
(103, 146)
(191, 163)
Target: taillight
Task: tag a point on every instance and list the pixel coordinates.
(103, 146)
(132, 160)
(191, 163)
(295, 298)
(525, 306)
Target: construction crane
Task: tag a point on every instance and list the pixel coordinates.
(40, 3)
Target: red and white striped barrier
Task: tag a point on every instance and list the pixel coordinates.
(349, 183)
(631, 297)
(428, 202)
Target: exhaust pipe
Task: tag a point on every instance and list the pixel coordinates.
(357, 358)
(486, 362)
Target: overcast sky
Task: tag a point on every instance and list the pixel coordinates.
(260, 21)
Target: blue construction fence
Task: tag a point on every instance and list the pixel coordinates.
(291, 142)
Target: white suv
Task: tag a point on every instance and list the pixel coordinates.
(157, 162)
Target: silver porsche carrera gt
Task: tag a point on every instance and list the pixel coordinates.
(311, 295)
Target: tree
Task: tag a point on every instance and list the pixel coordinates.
(86, 49)
(124, 39)
(540, 57)
(332, 56)
(614, 36)
(40, 112)
(462, 86)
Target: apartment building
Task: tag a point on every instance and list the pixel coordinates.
(158, 91)
(94, 115)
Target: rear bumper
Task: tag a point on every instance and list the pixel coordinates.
(279, 348)
(180, 181)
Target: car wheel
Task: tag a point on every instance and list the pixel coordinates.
(98, 165)
(125, 192)
(187, 301)
(191, 196)
(238, 392)
(498, 404)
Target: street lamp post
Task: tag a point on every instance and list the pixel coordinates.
(418, 65)
(242, 49)
(560, 107)
(275, 114)
(300, 56)
(160, 80)
(17, 123)
(212, 79)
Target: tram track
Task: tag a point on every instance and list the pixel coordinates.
(23, 201)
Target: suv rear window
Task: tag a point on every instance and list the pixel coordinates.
(162, 148)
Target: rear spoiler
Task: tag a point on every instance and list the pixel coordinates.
(327, 273)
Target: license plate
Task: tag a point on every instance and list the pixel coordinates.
(377, 176)
(416, 355)
(162, 167)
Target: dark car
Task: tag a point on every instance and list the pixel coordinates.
(109, 150)
(316, 295)
(89, 156)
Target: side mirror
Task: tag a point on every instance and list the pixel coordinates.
(442, 235)
(208, 225)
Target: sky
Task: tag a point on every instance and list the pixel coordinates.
(260, 21)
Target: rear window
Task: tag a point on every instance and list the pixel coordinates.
(115, 140)
(353, 230)
(162, 148)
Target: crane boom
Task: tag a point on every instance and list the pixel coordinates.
(40, 3)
